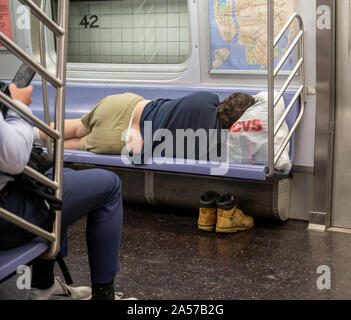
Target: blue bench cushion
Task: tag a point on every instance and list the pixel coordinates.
(240, 171)
(81, 98)
(10, 260)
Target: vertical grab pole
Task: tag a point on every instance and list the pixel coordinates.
(270, 53)
(303, 67)
(60, 97)
(44, 82)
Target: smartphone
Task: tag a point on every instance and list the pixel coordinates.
(24, 76)
(22, 79)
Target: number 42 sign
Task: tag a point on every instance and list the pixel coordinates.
(90, 22)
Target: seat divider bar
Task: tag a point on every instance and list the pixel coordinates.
(20, 222)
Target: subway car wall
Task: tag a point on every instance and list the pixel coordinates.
(170, 43)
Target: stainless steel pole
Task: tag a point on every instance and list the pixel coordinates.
(44, 82)
(270, 55)
(60, 97)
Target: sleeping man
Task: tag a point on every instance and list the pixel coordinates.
(129, 124)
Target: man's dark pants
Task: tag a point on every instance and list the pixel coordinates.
(96, 193)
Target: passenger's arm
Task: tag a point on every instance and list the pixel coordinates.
(16, 135)
(74, 129)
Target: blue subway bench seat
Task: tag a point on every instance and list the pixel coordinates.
(81, 98)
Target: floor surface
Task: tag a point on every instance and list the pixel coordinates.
(165, 256)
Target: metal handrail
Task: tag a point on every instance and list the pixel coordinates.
(288, 81)
(272, 74)
(288, 53)
(40, 177)
(22, 55)
(291, 132)
(16, 220)
(60, 98)
(41, 15)
(44, 82)
(286, 26)
(27, 115)
(60, 84)
(270, 56)
(287, 110)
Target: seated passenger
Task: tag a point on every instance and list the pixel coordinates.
(102, 129)
(100, 201)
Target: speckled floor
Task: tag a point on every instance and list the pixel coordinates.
(165, 256)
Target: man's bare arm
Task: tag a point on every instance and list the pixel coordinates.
(74, 128)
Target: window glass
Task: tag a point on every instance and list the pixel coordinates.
(128, 31)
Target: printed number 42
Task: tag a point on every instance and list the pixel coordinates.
(93, 22)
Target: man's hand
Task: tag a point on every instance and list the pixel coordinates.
(23, 95)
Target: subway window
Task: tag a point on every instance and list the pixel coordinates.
(128, 31)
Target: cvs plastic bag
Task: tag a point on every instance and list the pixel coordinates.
(248, 137)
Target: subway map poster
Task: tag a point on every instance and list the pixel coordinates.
(238, 34)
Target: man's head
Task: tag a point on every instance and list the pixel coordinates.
(233, 107)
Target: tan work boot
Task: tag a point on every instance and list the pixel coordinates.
(208, 211)
(229, 217)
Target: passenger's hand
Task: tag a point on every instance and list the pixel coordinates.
(23, 95)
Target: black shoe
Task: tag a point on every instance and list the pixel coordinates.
(227, 202)
(209, 199)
